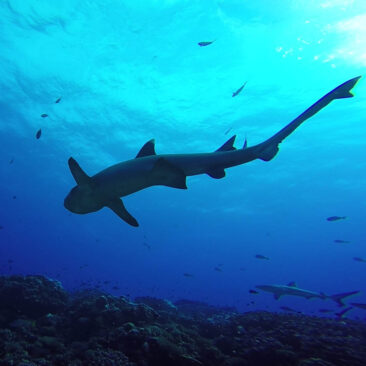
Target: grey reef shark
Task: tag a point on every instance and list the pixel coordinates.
(292, 290)
(105, 188)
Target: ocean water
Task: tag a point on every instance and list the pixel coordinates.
(130, 71)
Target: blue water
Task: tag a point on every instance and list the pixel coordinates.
(129, 71)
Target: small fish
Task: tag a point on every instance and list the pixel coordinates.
(14, 197)
(340, 241)
(1, 227)
(359, 259)
(44, 115)
(325, 311)
(58, 100)
(10, 261)
(11, 161)
(336, 218)
(205, 43)
(291, 310)
(242, 269)
(239, 90)
(254, 292)
(38, 134)
(228, 130)
(218, 269)
(260, 256)
(148, 246)
(188, 275)
(115, 288)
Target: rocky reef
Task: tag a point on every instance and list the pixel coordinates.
(42, 324)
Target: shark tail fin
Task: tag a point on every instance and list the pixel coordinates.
(344, 90)
(341, 314)
(268, 149)
(338, 298)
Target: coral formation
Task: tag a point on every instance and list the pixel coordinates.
(41, 324)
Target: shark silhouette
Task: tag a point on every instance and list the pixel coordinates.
(105, 188)
(291, 289)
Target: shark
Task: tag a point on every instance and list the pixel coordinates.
(147, 169)
(291, 289)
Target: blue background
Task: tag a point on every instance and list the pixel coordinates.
(129, 71)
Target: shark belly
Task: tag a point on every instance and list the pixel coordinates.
(124, 178)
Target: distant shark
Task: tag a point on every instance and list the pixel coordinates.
(359, 305)
(292, 290)
(105, 188)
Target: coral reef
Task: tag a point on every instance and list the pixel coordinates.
(42, 324)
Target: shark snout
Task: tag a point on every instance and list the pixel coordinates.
(68, 203)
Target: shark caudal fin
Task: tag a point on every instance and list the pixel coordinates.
(339, 298)
(269, 148)
(341, 314)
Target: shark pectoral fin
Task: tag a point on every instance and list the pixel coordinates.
(119, 209)
(277, 296)
(167, 174)
(147, 150)
(79, 175)
(216, 173)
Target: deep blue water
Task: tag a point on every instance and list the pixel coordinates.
(129, 71)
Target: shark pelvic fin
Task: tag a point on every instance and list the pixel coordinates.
(277, 296)
(81, 178)
(147, 150)
(167, 174)
(119, 209)
(216, 173)
(292, 284)
(269, 152)
(228, 145)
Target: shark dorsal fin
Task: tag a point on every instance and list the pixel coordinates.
(81, 178)
(292, 284)
(228, 145)
(245, 144)
(147, 150)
